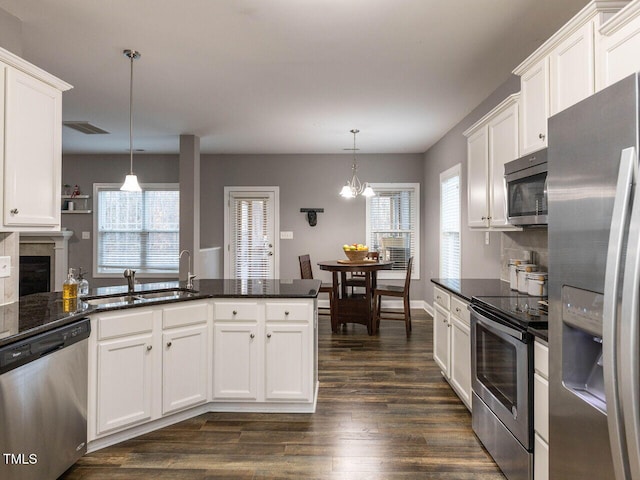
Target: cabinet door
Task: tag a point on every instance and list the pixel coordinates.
(534, 107)
(461, 360)
(288, 353)
(441, 339)
(620, 52)
(503, 147)
(184, 368)
(125, 371)
(33, 164)
(477, 175)
(540, 458)
(572, 69)
(235, 360)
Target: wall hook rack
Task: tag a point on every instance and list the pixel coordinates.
(312, 215)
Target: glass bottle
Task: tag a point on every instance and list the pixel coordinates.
(70, 287)
(83, 284)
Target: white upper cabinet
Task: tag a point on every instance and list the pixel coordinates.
(491, 142)
(620, 46)
(571, 68)
(534, 107)
(562, 71)
(477, 174)
(31, 134)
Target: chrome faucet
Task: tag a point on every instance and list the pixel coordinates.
(130, 275)
(190, 276)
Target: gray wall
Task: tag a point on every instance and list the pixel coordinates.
(304, 181)
(85, 170)
(10, 32)
(478, 260)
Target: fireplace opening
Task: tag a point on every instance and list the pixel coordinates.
(35, 274)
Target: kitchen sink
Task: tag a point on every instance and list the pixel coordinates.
(140, 298)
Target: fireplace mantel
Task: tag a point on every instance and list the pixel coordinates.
(60, 241)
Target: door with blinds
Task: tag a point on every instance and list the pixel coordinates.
(250, 233)
(450, 223)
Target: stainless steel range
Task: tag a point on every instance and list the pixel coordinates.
(502, 379)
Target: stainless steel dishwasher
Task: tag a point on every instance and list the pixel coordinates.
(43, 403)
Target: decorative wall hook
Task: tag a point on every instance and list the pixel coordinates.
(312, 215)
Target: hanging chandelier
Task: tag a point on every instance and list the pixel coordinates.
(355, 187)
(131, 181)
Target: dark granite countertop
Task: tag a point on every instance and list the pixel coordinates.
(541, 333)
(468, 288)
(40, 312)
(475, 287)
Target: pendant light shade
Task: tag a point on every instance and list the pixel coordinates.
(354, 187)
(131, 181)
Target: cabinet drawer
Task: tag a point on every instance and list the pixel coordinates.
(287, 311)
(441, 297)
(187, 313)
(122, 324)
(541, 406)
(459, 310)
(235, 311)
(541, 358)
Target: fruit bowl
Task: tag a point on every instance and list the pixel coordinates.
(356, 255)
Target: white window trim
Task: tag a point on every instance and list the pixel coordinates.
(96, 188)
(276, 225)
(415, 272)
(447, 174)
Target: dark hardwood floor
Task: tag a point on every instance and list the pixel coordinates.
(384, 412)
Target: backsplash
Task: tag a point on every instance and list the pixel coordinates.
(515, 244)
(9, 245)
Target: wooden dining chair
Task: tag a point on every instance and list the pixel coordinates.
(357, 279)
(393, 291)
(306, 273)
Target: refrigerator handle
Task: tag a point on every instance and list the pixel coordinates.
(629, 368)
(615, 423)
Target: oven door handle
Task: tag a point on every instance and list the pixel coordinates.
(480, 317)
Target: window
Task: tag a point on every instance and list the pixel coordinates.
(393, 226)
(450, 223)
(138, 230)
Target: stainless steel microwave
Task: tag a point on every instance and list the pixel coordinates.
(526, 181)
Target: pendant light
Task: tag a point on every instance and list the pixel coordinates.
(354, 187)
(131, 181)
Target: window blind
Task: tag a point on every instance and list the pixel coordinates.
(139, 230)
(252, 217)
(450, 224)
(392, 224)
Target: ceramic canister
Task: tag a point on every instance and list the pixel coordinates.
(537, 284)
(522, 270)
(513, 274)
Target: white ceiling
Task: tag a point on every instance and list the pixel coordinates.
(280, 76)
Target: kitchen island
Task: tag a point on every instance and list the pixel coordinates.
(230, 345)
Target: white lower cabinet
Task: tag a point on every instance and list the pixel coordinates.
(452, 342)
(152, 366)
(461, 359)
(184, 367)
(125, 375)
(287, 362)
(269, 357)
(235, 361)
(541, 411)
(139, 371)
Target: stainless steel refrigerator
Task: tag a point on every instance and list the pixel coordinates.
(594, 264)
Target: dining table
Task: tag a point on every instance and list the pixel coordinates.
(353, 306)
